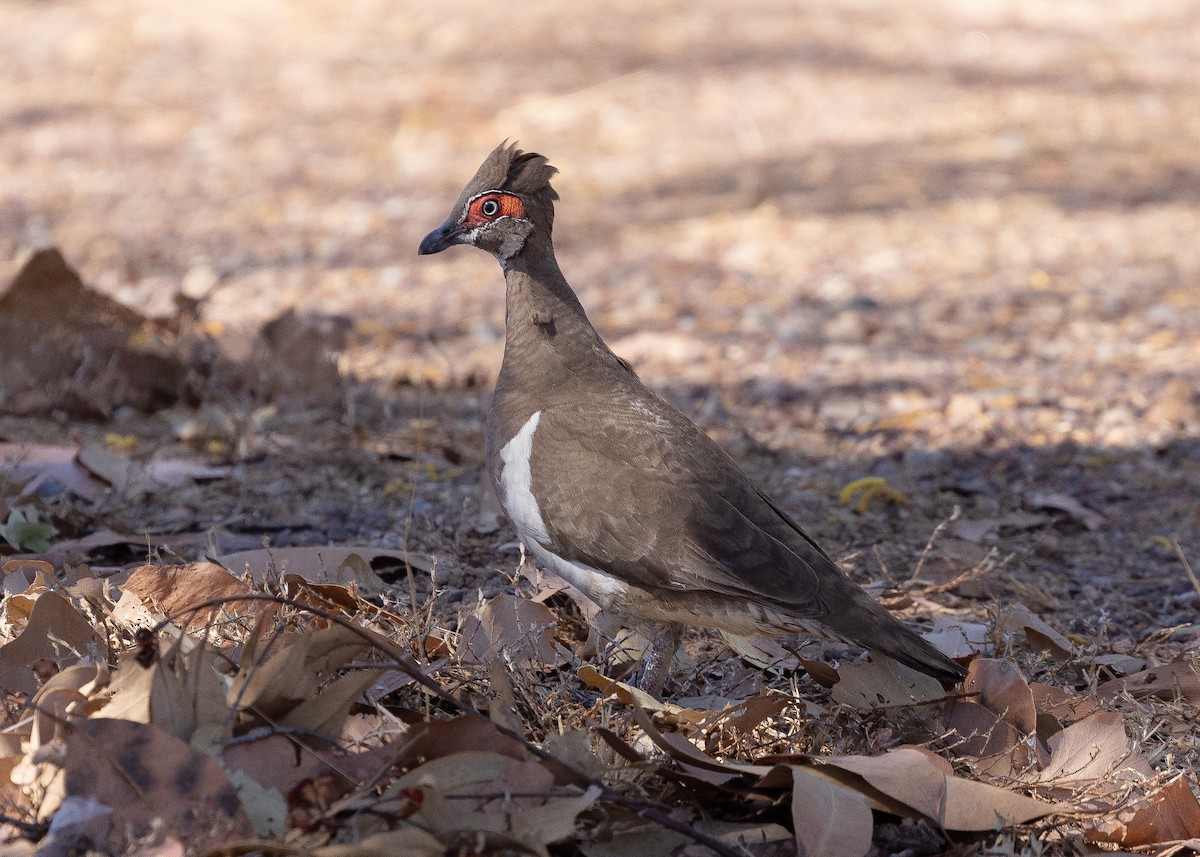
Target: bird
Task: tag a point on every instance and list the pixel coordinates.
(613, 489)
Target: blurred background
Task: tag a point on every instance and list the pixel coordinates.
(976, 222)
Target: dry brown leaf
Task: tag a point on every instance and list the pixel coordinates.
(332, 597)
(50, 468)
(56, 632)
(1093, 754)
(830, 820)
(1015, 617)
(172, 590)
(1089, 518)
(322, 564)
(66, 693)
(748, 714)
(763, 652)
(291, 670)
(1058, 703)
(974, 806)
(631, 695)
(1121, 665)
(958, 638)
(180, 693)
(1170, 815)
(129, 479)
(1177, 680)
(884, 683)
(433, 739)
(683, 750)
(998, 728)
(634, 837)
(517, 811)
(820, 672)
(918, 779)
(994, 747)
(326, 712)
(518, 628)
(1002, 689)
(909, 775)
(362, 579)
(502, 701)
(150, 777)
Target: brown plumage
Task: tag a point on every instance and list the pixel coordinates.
(615, 490)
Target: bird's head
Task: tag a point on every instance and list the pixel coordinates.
(508, 200)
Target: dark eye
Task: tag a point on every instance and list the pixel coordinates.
(490, 208)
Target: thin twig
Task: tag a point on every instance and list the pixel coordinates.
(932, 538)
(1187, 566)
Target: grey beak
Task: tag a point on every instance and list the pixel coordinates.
(444, 236)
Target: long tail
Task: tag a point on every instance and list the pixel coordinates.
(862, 620)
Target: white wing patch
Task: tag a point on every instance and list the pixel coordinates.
(521, 506)
(516, 478)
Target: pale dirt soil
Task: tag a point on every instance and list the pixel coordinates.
(951, 245)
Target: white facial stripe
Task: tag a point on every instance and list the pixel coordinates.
(516, 478)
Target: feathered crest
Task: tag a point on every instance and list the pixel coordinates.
(529, 174)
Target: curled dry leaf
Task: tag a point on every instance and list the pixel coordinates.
(631, 695)
(180, 693)
(56, 632)
(174, 590)
(1172, 815)
(829, 819)
(290, 670)
(1014, 617)
(920, 780)
(514, 627)
(1177, 680)
(997, 727)
(69, 692)
(1093, 755)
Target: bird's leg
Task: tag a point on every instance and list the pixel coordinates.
(657, 662)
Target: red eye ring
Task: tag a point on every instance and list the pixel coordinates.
(493, 206)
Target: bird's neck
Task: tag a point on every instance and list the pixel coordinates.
(544, 321)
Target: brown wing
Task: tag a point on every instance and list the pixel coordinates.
(641, 493)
